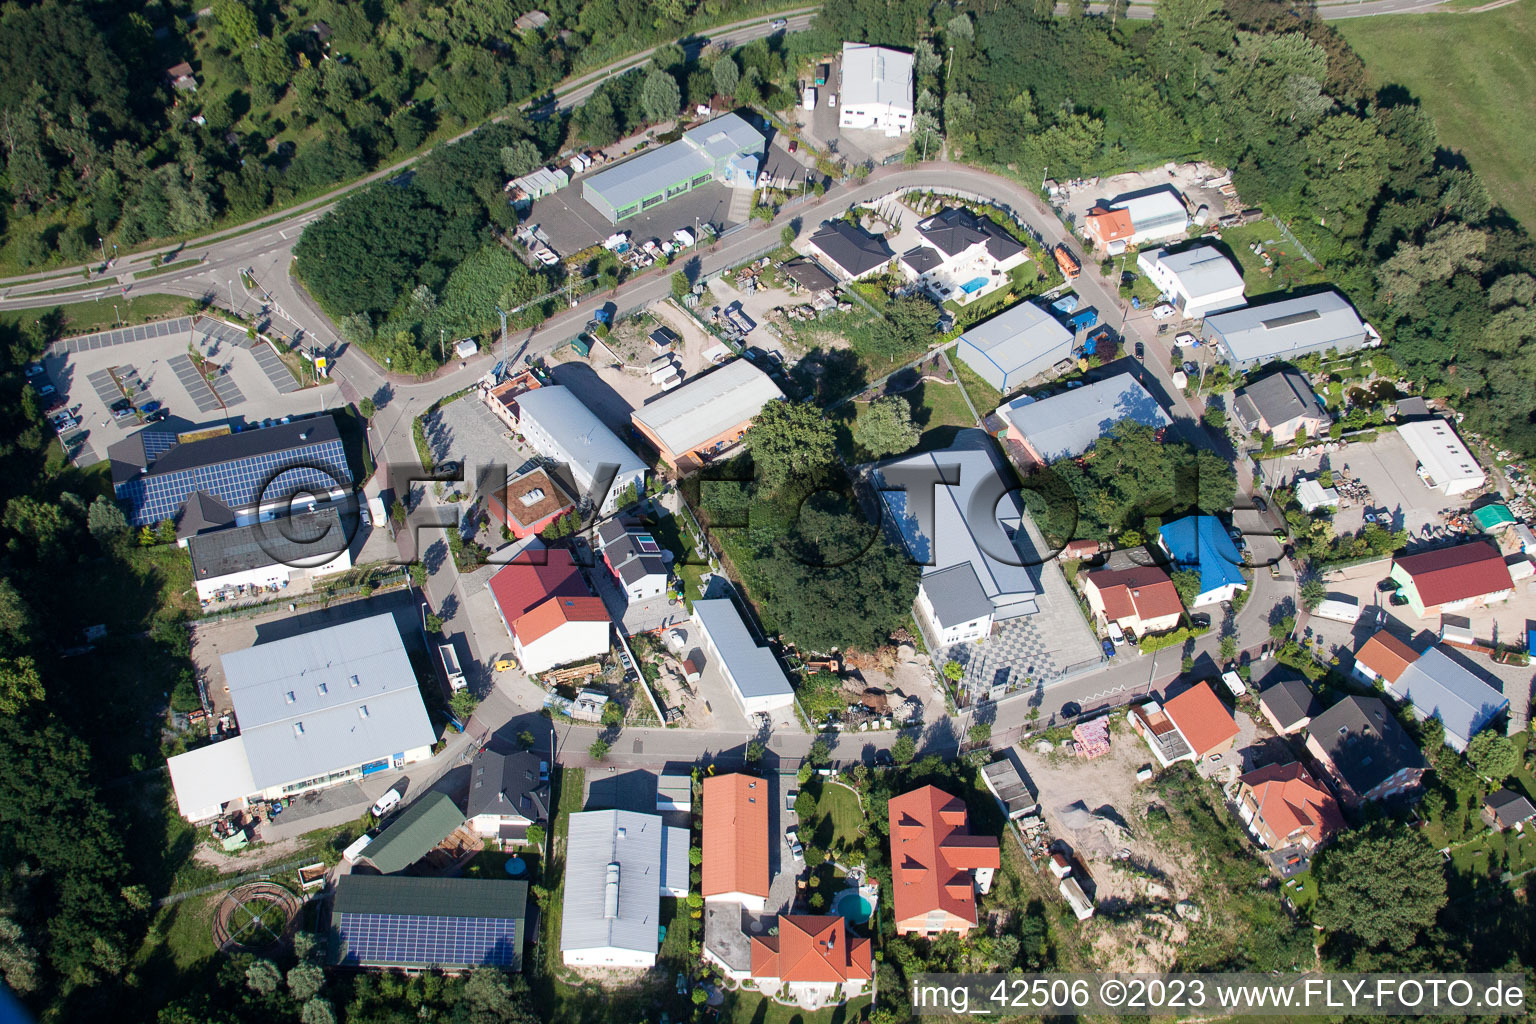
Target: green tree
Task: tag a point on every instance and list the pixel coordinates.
(263, 977)
(954, 671)
(886, 427)
(1313, 593)
(613, 713)
(1187, 583)
(536, 836)
(820, 754)
(20, 684)
(1380, 887)
(1492, 756)
(598, 750)
(463, 704)
(904, 749)
(434, 623)
(317, 1011)
(790, 440)
(236, 24)
(105, 520)
(1228, 647)
(788, 234)
(726, 76)
(680, 285)
(1215, 417)
(366, 408)
(755, 751)
(305, 982)
(805, 806)
(660, 97)
(980, 733)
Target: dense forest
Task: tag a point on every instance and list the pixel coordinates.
(98, 143)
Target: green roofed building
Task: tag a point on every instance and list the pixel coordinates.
(422, 826)
(408, 923)
(1493, 517)
(727, 149)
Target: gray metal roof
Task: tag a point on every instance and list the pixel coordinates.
(708, 405)
(852, 248)
(1278, 398)
(430, 897)
(956, 595)
(1289, 700)
(755, 669)
(809, 276)
(583, 441)
(307, 539)
(969, 523)
(876, 74)
(1439, 687)
(1021, 336)
(1069, 423)
(698, 152)
(1274, 330)
(301, 702)
(1203, 270)
(637, 843)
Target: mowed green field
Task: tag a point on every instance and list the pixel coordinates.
(1476, 75)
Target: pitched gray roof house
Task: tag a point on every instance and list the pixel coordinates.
(955, 229)
(1068, 424)
(1015, 345)
(1289, 702)
(851, 249)
(1364, 742)
(1255, 335)
(506, 785)
(201, 513)
(618, 865)
(1439, 687)
(1276, 399)
(922, 258)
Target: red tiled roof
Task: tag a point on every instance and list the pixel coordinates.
(1290, 800)
(556, 612)
(932, 853)
(533, 577)
(1386, 655)
(1202, 718)
(1458, 573)
(735, 835)
(1111, 225)
(811, 948)
(1144, 591)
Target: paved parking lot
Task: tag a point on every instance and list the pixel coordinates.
(573, 224)
(856, 144)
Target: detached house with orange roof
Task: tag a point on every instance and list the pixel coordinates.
(736, 841)
(937, 865)
(1139, 600)
(813, 960)
(545, 605)
(1383, 657)
(1193, 725)
(1283, 805)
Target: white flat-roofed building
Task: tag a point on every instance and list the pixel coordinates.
(314, 710)
(1015, 345)
(757, 682)
(618, 866)
(726, 149)
(268, 555)
(558, 426)
(1200, 280)
(1155, 215)
(876, 89)
(1068, 424)
(1445, 463)
(707, 415)
(1251, 336)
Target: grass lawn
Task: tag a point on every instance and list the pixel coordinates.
(839, 818)
(689, 566)
(983, 395)
(1290, 270)
(745, 1007)
(1474, 76)
(86, 317)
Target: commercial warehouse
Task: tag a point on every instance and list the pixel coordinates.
(726, 149)
(707, 415)
(1251, 336)
(1015, 345)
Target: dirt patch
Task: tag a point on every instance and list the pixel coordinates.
(227, 863)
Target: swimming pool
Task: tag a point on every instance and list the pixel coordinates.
(853, 907)
(975, 284)
(516, 867)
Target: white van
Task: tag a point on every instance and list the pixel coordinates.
(388, 802)
(663, 373)
(1116, 634)
(1234, 683)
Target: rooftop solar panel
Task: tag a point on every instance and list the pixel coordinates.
(417, 939)
(242, 483)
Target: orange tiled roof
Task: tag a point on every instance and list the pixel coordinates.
(1144, 591)
(1290, 800)
(735, 835)
(811, 948)
(556, 612)
(932, 853)
(1202, 718)
(1386, 655)
(1111, 225)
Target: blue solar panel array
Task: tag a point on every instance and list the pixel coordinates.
(412, 939)
(239, 483)
(157, 443)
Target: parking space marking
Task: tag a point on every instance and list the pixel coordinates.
(186, 372)
(276, 370)
(120, 336)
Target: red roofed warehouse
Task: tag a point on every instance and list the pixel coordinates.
(736, 840)
(1450, 579)
(1285, 806)
(551, 615)
(936, 863)
(1140, 600)
(812, 960)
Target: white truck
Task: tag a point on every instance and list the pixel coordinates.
(808, 101)
(1339, 607)
(376, 511)
(456, 680)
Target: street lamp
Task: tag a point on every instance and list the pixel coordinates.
(116, 320)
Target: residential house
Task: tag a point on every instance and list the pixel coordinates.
(1069, 424)
(1288, 703)
(1453, 579)
(548, 610)
(618, 866)
(1199, 280)
(558, 426)
(1252, 336)
(813, 960)
(1507, 809)
(850, 251)
(634, 558)
(507, 793)
(973, 564)
(1021, 342)
(694, 423)
(1382, 657)
(1185, 728)
(1280, 404)
(414, 833)
(876, 89)
(1201, 544)
(1364, 752)
(456, 924)
(1437, 686)
(181, 78)
(1154, 215)
(964, 257)
(1141, 599)
(937, 865)
(735, 840)
(316, 709)
(1283, 805)
(268, 555)
(756, 680)
(1445, 463)
(529, 503)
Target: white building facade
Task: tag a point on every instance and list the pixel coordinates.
(877, 89)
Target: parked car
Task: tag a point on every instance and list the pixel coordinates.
(1260, 504)
(1185, 338)
(388, 802)
(157, 415)
(1162, 311)
(1192, 368)
(1200, 620)
(1141, 351)
(1109, 648)
(1386, 586)
(1071, 709)
(778, 24)
(831, 99)
(1116, 634)
(149, 407)
(794, 146)
(44, 388)
(362, 515)
(34, 370)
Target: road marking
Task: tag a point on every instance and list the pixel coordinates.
(284, 234)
